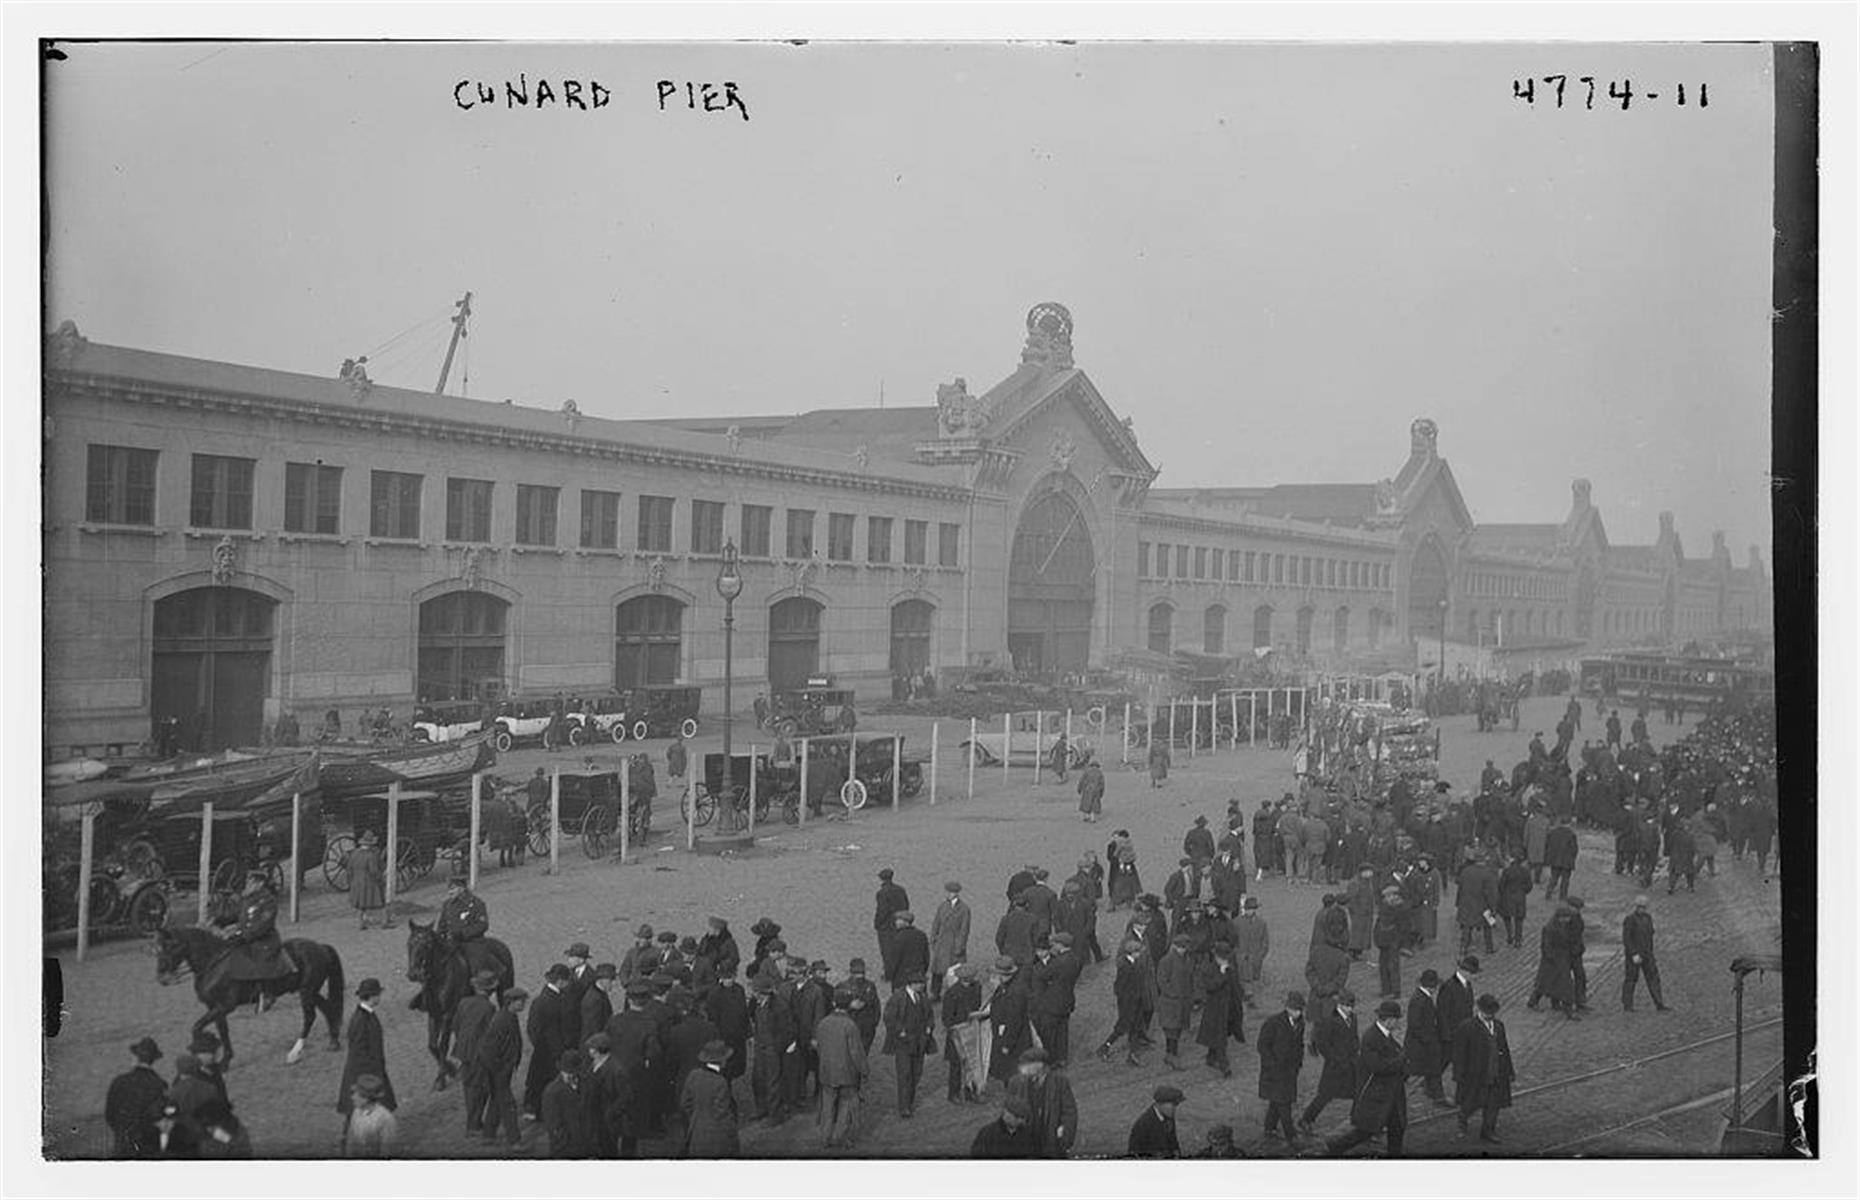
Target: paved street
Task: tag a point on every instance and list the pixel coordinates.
(818, 882)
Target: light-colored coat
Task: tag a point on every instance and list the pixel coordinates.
(949, 936)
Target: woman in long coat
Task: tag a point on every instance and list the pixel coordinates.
(1091, 791)
(709, 1107)
(1159, 762)
(367, 877)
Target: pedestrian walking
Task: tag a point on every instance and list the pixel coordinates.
(367, 1055)
(1482, 1069)
(1281, 1058)
(840, 1051)
(1560, 856)
(1426, 1045)
(1159, 762)
(1338, 1043)
(1223, 1008)
(1381, 1104)
(500, 1052)
(1091, 791)
(1133, 991)
(1153, 1134)
(367, 879)
(1393, 920)
(1637, 947)
(890, 900)
(1514, 886)
(949, 936)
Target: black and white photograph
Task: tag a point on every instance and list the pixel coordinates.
(933, 598)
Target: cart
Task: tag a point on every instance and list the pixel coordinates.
(774, 785)
(429, 823)
(874, 760)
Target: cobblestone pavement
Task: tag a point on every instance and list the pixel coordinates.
(818, 881)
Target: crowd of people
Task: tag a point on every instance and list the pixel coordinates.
(684, 1040)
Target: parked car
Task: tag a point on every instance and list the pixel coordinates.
(812, 710)
(515, 721)
(447, 722)
(660, 710)
(598, 718)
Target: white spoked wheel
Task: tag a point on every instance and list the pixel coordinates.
(1096, 717)
(689, 727)
(1079, 749)
(852, 795)
(639, 731)
(618, 732)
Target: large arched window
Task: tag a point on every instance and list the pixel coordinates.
(1305, 617)
(1340, 630)
(911, 621)
(211, 667)
(794, 642)
(1375, 627)
(648, 641)
(1262, 627)
(1162, 628)
(1052, 585)
(461, 645)
(1214, 630)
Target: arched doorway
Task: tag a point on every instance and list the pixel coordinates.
(1052, 579)
(794, 642)
(211, 665)
(1214, 630)
(1262, 627)
(461, 646)
(1162, 628)
(648, 641)
(1427, 590)
(911, 621)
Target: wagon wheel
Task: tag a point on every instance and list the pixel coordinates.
(227, 877)
(688, 727)
(406, 863)
(577, 735)
(706, 808)
(336, 861)
(1077, 751)
(853, 795)
(787, 727)
(539, 829)
(141, 860)
(503, 741)
(148, 910)
(640, 731)
(596, 825)
(617, 731)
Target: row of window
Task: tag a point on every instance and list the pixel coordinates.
(1253, 566)
(1214, 628)
(120, 490)
(1523, 587)
(1499, 626)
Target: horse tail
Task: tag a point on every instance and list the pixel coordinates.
(338, 990)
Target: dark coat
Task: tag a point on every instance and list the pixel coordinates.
(1453, 1005)
(1477, 894)
(1426, 1047)
(683, 1040)
(1382, 1093)
(1482, 1069)
(1281, 1057)
(608, 1092)
(1041, 900)
(910, 952)
(866, 1012)
(634, 1042)
(596, 1009)
(889, 902)
(552, 1023)
(1055, 1120)
(908, 1024)
(1153, 1136)
(721, 951)
(1554, 978)
(709, 1107)
(1175, 989)
(1134, 988)
(1223, 1012)
(727, 1006)
(129, 1110)
(1637, 937)
(1336, 1040)
(1327, 972)
(367, 1056)
(469, 1021)
(996, 1140)
(1015, 934)
(570, 1119)
(1560, 847)
(960, 999)
(1008, 1011)
(500, 1050)
(1514, 884)
(1056, 987)
(1228, 880)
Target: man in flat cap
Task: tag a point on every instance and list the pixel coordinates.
(1009, 1135)
(1055, 995)
(1382, 1097)
(1482, 1069)
(1153, 1134)
(1637, 948)
(890, 900)
(842, 1065)
(949, 937)
(641, 959)
(1008, 1013)
(910, 949)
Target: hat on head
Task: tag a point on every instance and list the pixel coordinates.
(578, 950)
(968, 970)
(679, 997)
(1470, 964)
(1346, 996)
(1005, 965)
(458, 878)
(885, 873)
(819, 964)
(1180, 939)
(1085, 862)
(146, 1050)
(909, 976)
(1042, 941)
(757, 983)
(557, 971)
(643, 932)
(598, 1042)
(1250, 902)
(1295, 1001)
(1033, 1054)
(777, 946)
(1168, 1094)
(186, 1064)
(1641, 902)
(571, 1060)
(516, 993)
(1388, 1008)
(1184, 861)
(1018, 1107)
(668, 937)
(715, 1051)
(1430, 978)
(606, 971)
(1488, 1003)
(952, 886)
(369, 1087)
(1062, 938)
(719, 923)
(484, 981)
(368, 987)
(905, 915)
(368, 837)
(687, 944)
(856, 966)
(1201, 820)
(762, 928)
(1041, 873)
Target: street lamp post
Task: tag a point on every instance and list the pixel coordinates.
(729, 586)
(1443, 641)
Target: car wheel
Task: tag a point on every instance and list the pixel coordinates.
(576, 735)
(689, 727)
(503, 741)
(617, 731)
(640, 731)
(148, 911)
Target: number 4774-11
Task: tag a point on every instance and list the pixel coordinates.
(1556, 88)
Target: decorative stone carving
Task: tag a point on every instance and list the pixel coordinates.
(471, 567)
(655, 573)
(1049, 337)
(225, 560)
(958, 414)
(354, 372)
(914, 580)
(1061, 451)
(1385, 497)
(862, 455)
(1424, 438)
(735, 435)
(802, 571)
(64, 344)
(1579, 492)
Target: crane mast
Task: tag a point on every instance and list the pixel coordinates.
(458, 331)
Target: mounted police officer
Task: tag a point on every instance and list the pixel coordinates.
(256, 953)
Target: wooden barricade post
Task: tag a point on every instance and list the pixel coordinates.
(87, 847)
(477, 824)
(297, 848)
(555, 821)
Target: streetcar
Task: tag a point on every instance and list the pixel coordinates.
(1697, 682)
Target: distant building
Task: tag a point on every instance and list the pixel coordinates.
(225, 542)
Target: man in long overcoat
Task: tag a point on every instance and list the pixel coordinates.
(1008, 1012)
(367, 1052)
(469, 1021)
(1252, 941)
(1476, 895)
(1227, 878)
(1381, 1104)
(1425, 1047)
(633, 1035)
(890, 900)
(1482, 1068)
(949, 936)
(1015, 934)
(840, 1052)
(727, 1005)
(908, 1038)
(1175, 991)
(709, 1108)
(133, 1097)
(1223, 1011)
(1327, 972)
(1055, 982)
(1553, 972)
(772, 1026)
(1134, 991)
(553, 1026)
(1337, 1042)
(500, 1052)
(1361, 905)
(1281, 1057)
(1051, 1108)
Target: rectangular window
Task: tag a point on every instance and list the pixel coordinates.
(707, 527)
(1330, 572)
(1233, 566)
(1143, 560)
(916, 533)
(1278, 568)
(839, 537)
(878, 540)
(1304, 571)
(121, 486)
(600, 520)
(468, 510)
(800, 533)
(1181, 562)
(536, 514)
(1214, 564)
(655, 524)
(1201, 562)
(948, 544)
(222, 496)
(312, 498)
(394, 504)
(1251, 557)
(756, 521)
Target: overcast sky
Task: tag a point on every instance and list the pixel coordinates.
(1275, 256)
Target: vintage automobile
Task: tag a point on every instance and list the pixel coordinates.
(597, 718)
(446, 722)
(877, 755)
(1022, 746)
(660, 710)
(515, 721)
(813, 710)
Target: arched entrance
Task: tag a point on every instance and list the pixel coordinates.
(910, 637)
(648, 641)
(1262, 627)
(794, 642)
(461, 646)
(1214, 630)
(211, 667)
(1052, 580)
(1427, 590)
(1162, 627)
